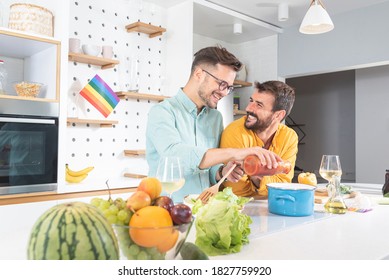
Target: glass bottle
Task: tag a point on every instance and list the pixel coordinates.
(335, 203)
(385, 188)
(253, 167)
(3, 77)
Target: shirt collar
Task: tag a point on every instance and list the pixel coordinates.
(188, 104)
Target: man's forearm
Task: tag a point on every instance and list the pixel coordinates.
(216, 156)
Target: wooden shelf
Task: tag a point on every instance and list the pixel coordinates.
(102, 123)
(142, 27)
(143, 96)
(105, 63)
(134, 176)
(38, 99)
(239, 112)
(131, 153)
(239, 83)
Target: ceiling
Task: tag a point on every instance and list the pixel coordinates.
(259, 18)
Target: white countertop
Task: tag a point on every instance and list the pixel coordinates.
(322, 236)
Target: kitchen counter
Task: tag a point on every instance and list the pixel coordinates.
(322, 236)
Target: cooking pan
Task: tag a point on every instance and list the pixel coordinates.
(291, 199)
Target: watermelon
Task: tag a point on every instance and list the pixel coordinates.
(72, 231)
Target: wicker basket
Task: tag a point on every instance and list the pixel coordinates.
(31, 18)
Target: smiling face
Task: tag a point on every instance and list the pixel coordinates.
(209, 88)
(260, 115)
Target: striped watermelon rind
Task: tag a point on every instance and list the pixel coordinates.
(72, 231)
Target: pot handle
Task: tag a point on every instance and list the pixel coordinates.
(286, 197)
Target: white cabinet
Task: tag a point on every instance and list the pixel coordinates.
(31, 58)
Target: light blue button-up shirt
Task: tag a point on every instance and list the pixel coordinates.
(174, 128)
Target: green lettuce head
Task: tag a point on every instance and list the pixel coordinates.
(221, 228)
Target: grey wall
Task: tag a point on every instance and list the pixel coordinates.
(372, 130)
(360, 37)
(326, 105)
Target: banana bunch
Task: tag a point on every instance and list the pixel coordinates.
(77, 176)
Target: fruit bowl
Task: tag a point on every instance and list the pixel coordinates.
(151, 243)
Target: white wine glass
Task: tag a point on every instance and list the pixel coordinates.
(170, 174)
(329, 167)
(331, 170)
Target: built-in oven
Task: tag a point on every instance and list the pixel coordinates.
(28, 153)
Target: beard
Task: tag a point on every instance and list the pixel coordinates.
(258, 125)
(208, 99)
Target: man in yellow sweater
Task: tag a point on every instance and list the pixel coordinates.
(269, 105)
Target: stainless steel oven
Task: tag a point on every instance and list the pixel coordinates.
(28, 154)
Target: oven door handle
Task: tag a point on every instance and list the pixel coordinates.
(27, 120)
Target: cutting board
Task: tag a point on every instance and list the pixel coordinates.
(321, 196)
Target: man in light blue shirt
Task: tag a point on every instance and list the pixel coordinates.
(189, 126)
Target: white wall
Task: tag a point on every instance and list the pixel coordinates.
(359, 38)
(260, 57)
(372, 129)
(180, 51)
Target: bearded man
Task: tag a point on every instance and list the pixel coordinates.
(269, 105)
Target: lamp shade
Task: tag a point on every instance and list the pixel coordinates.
(316, 20)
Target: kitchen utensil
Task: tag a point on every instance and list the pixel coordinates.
(290, 199)
(211, 191)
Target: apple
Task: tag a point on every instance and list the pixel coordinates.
(307, 178)
(138, 200)
(164, 202)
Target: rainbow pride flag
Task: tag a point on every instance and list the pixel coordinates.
(100, 95)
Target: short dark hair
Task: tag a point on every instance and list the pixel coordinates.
(216, 55)
(284, 95)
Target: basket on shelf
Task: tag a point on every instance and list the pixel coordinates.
(31, 18)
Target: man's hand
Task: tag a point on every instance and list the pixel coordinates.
(236, 174)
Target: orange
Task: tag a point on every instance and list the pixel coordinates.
(169, 243)
(150, 226)
(152, 186)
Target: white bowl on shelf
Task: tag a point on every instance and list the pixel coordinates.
(91, 49)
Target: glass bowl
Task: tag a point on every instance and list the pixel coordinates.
(163, 243)
(27, 89)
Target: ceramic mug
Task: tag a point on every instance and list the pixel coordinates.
(74, 45)
(107, 51)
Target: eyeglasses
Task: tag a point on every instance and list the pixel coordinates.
(222, 84)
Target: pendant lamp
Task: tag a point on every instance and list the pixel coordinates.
(316, 20)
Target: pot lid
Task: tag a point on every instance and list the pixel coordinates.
(290, 186)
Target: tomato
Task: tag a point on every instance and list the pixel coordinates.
(307, 178)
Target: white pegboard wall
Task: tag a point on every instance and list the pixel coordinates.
(103, 23)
